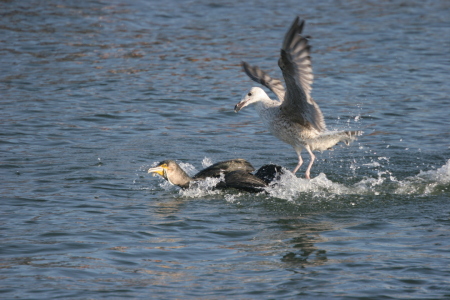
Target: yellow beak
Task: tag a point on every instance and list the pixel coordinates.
(158, 170)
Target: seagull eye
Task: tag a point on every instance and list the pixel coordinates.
(249, 94)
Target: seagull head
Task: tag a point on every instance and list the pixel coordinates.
(255, 94)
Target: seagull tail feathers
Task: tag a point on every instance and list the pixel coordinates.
(349, 136)
(329, 139)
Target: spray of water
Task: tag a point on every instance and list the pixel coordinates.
(291, 188)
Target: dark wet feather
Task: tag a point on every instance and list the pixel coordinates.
(243, 181)
(224, 167)
(269, 173)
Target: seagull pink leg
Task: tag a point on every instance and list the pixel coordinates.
(300, 160)
(313, 157)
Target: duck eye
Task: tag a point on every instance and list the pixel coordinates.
(249, 94)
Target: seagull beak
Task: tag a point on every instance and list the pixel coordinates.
(158, 170)
(240, 105)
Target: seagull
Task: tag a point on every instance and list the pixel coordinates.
(295, 119)
(237, 174)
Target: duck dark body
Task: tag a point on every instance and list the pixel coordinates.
(269, 173)
(224, 167)
(242, 180)
(237, 174)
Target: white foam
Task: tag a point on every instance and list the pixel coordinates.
(441, 175)
(188, 168)
(372, 164)
(206, 162)
(289, 187)
(233, 198)
(426, 182)
(202, 188)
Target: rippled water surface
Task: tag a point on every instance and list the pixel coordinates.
(93, 93)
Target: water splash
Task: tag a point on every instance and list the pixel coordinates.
(233, 198)
(427, 182)
(441, 175)
(188, 168)
(291, 188)
(206, 162)
(202, 188)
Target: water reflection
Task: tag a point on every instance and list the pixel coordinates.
(302, 238)
(166, 208)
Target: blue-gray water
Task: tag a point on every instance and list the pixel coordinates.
(93, 93)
